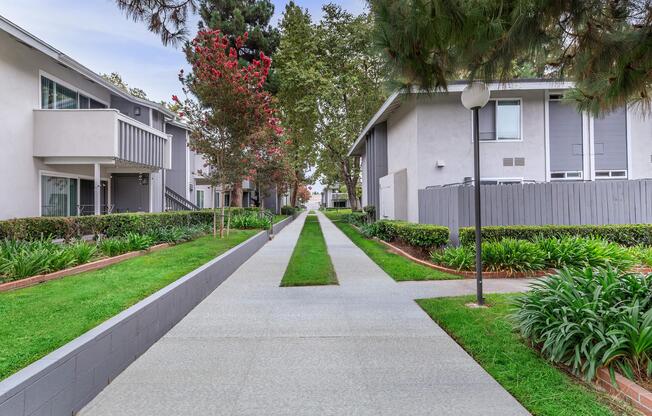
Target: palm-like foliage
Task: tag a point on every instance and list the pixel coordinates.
(604, 46)
(591, 318)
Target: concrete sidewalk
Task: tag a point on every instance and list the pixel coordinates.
(253, 348)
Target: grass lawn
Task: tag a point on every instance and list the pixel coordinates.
(310, 263)
(279, 218)
(39, 319)
(398, 267)
(488, 336)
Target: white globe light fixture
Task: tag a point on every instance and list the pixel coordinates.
(474, 97)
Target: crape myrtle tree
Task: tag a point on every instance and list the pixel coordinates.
(230, 114)
(303, 194)
(299, 78)
(232, 18)
(350, 91)
(604, 46)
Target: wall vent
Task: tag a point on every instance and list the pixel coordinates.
(519, 161)
(508, 161)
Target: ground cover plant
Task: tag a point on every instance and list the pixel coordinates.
(488, 335)
(397, 266)
(511, 255)
(591, 318)
(310, 263)
(39, 319)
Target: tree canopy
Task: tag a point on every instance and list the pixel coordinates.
(115, 79)
(166, 18)
(604, 46)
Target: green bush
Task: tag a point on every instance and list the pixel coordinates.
(287, 210)
(355, 218)
(587, 319)
(642, 255)
(579, 252)
(423, 236)
(512, 256)
(623, 234)
(460, 258)
(113, 246)
(249, 222)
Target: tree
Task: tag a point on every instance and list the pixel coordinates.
(115, 79)
(299, 78)
(234, 17)
(604, 46)
(350, 92)
(304, 194)
(166, 18)
(233, 113)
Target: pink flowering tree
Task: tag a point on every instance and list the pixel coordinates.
(231, 116)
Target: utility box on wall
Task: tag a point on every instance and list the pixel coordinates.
(393, 196)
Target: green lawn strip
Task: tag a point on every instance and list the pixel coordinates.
(488, 336)
(398, 267)
(278, 218)
(37, 320)
(310, 263)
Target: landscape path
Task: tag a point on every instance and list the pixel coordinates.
(363, 347)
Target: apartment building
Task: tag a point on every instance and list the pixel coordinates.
(419, 141)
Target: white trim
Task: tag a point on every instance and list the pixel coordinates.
(628, 132)
(151, 119)
(42, 73)
(588, 141)
(187, 168)
(502, 179)
(546, 133)
(520, 122)
(566, 177)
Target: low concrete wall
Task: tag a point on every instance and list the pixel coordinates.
(65, 380)
(276, 228)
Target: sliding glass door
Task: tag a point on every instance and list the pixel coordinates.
(58, 196)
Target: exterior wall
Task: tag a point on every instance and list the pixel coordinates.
(177, 177)
(129, 109)
(376, 166)
(640, 148)
(402, 151)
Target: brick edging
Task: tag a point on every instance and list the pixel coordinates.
(65, 380)
(627, 390)
(86, 267)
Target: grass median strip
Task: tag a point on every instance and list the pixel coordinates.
(37, 320)
(310, 264)
(398, 267)
(487, 334)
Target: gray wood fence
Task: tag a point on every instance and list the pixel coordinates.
(569, 203)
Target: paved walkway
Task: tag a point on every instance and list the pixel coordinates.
(253, 348)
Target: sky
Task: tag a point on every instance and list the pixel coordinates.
(98, 35)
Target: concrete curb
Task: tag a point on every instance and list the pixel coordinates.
(65, 380)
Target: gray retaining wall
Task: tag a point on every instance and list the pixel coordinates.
(65, 380)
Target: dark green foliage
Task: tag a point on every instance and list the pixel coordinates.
(249, 221)
(111, 225)
(288, 210)
(512, 256)
(355, 218)
(582, 252)
(424, 236)
(590, 318)
(624, 234)
(460, 258)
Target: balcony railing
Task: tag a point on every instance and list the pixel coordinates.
(102, 135)
(339, 196)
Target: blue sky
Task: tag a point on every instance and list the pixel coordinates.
(97, 34)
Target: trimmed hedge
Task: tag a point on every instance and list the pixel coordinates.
(288, 210)
(424, 236)
(624, 234)
(111, 225)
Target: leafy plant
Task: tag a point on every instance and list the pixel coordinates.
(136, 242)
(572, 251)
(248, 221)
(113, 246)
(642, 254)
(460, 258)
(82, 251)
(512, 256)
(589, 318)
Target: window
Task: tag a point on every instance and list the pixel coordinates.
(56, 96)
(200, 199)
(569, 175)
(500, 120)
(58, 196)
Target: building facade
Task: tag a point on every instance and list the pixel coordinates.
(529, 135)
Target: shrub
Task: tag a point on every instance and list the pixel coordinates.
(288, 210)
(113, 246)
(355, 218)
(642, 254)
(623, 234)
(249, 221)
(82, 251)
(370, 210)
(512, 256)
(586, 319)
(581, 252)
(137, 242)
(460, 258)
(423, 236)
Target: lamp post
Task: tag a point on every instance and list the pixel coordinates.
(474, 97)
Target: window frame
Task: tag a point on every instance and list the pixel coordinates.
(520, 121)
(203, 198)
(42, 74)
(70, 176)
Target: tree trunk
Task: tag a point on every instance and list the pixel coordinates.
(223, 199)
(236, 195)
(351, 181)
(228, 224)
(293, 192)
(214, 213)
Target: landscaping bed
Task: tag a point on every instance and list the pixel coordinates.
(39, 319)
(310, 263)
(488, 335)
(398, 267)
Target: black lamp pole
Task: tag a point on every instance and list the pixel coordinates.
(476, 183)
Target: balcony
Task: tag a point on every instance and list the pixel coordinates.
(99, 136)
(339, 196)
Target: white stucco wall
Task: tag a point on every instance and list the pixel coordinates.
(402, 151)
(363, 176)
(19, 170)
(640, 155)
